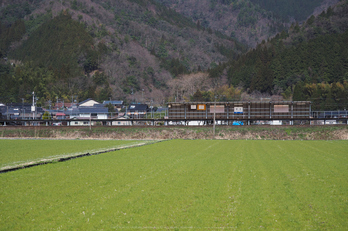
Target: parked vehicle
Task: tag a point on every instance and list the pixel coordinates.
(60, 123)
(237, 123)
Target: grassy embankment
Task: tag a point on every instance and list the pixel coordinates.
(167, 132)
(185, 184)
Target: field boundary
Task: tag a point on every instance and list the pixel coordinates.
(71, 156)
(266, 132)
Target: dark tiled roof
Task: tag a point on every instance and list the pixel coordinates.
(93, 110)
(138, 107)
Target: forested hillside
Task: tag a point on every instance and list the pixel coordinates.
(240, 19)
(143, 50)
(102, 49)
(250, 21)
(313, 55)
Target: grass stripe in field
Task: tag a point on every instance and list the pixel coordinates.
(22, 152)
(186, 184)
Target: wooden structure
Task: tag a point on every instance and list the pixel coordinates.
(240, 110)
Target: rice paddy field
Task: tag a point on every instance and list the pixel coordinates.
(14, 152)
(184, 185)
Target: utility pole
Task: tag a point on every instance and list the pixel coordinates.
(33, 106)
(132, 96)
(214, 117)
(142, 96)
(151, 109)
(49, 103)
(22, 107)
(36, 99)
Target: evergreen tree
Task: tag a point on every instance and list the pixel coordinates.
(299, 92)
(197, 96)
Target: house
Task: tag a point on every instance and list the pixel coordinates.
(21, 111)
(88, 109)
(137, 110)
(60, 116)
(72, 113)
(117, 104)
(93, 112)
(81, 122)
(83, 115)
(3, 112)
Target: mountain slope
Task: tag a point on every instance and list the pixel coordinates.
(297, 10)
(136, 45)
(250, 21)
(243, 20)
(314, 53)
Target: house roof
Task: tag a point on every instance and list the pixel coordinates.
(93, 110)
(138, 107)
(61, 104)
(99, 105)
(72, 111)
(86, 110)
(19, 105)
(114, 102)
(88, 102)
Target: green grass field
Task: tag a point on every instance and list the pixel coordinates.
(185, 185)
(15, 152)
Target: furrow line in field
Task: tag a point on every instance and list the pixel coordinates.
(69, 157)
